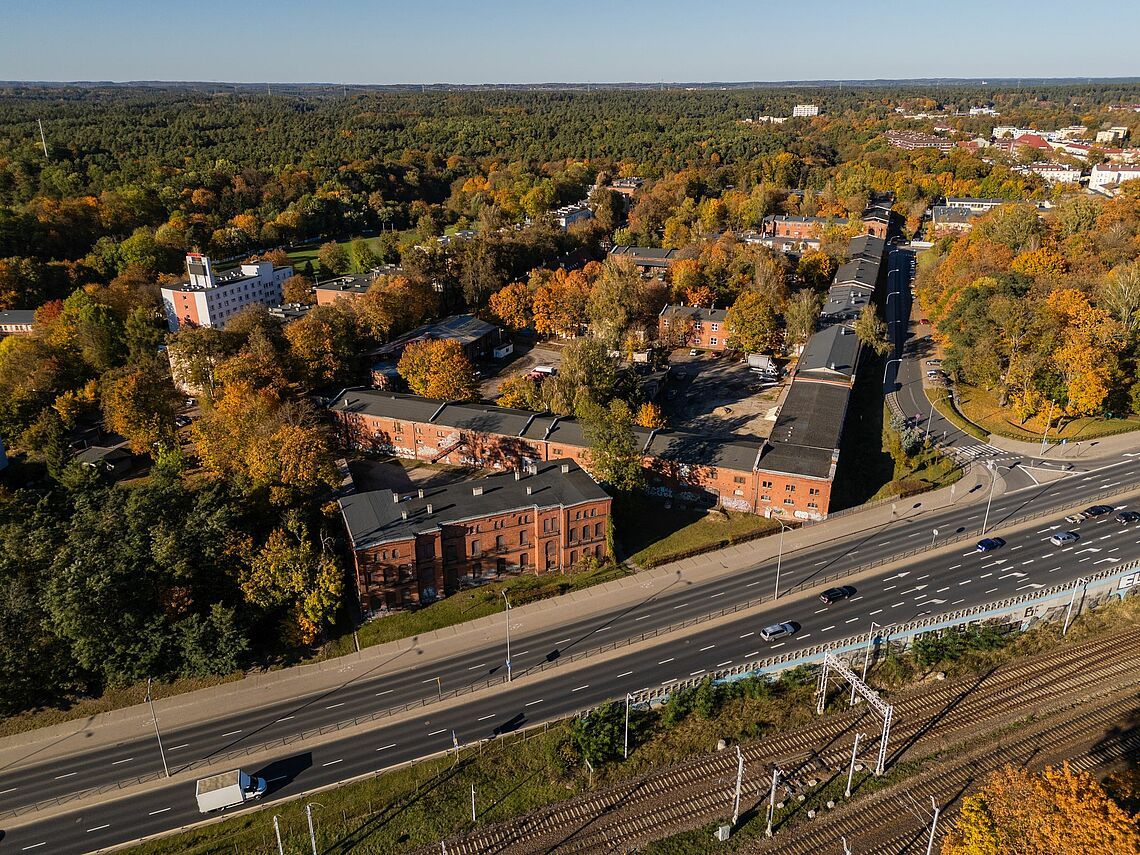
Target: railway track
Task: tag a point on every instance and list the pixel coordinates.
(700, 790)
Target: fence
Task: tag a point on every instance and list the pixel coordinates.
(806, 584)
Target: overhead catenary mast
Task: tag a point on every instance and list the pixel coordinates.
(43, 139)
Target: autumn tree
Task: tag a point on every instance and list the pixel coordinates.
(1055, 812)
(438, 369)
(512, 306)
(1119, 294)
(649, 415)
(140, 403)
(323, 344)
(520, 392)
(815, 268)
(559, 303)
(800, 316)
(298, 289)
(332, 258)
(752, 322)
(619, 299)
(1086, 356)
(614, 457)
(872, 331)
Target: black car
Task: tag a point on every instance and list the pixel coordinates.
(989, 544)
(1099, 510)
(1126, 517)
(834, 595)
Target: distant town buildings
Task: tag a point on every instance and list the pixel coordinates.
(477, 337)
(207, 299)
(692, 326)
(412, 547)
(914, 140)
(1106, 178)
(1055, 173)
(351, 287)
(16, 322)
(570, 214)
(649, 260)
(1111, 135)
(626, 186)
(805, 110)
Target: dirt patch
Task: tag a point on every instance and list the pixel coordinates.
(717, 394)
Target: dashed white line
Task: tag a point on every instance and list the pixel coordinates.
(679, 606)
(625, 673)
(9, 790)
(283, 719)
(176, 747)
(665, 661)
(695, 673)
(334, 706)
(99, 827)
(157, 812)
(35, 846)
(484, 664)
(66, 775)
(781, 644)
(333, 762)
(991, 590)
(805, 635)
(955, 567)
(957, 601)
(386, 747)
(826, 628)
(851, 620)
(896, 605)
(532, 703)
(747, 634)
(750, 655)
(820, 611)
(890, 587)
(580, 688)
(485, 717)
(703, 649)
(717, 594)
(643, 617)
(236, 732)
(875, 612)
(437, 732)
(385, 692)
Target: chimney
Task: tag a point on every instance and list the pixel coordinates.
(395, 498)
(429, 509)
(529, 489)
(476, 491)
(421, 492)
(518, 474)
(403, 515)
(565, 468)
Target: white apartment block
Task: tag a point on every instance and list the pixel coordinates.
(209, 300)
(805, 110)
(1056, 173)
(1111, 135)
(1107, 176)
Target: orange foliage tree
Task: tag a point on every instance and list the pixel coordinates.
(512, 305)
(438, 369)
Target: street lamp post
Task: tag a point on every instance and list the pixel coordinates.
(933, 536)
(1045, 432)
(866, 658)
(277, 831)
(779, 560)
(625, 746)
(312, 830)
(887, 368)
(1081, 580)
(157, 734)
(507, 613)
(989, 501)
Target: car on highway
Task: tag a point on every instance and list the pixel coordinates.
(1127, 517)
(777, 631)
(1062, 538)
(1078, 517)
(834, 595)
(989, 544)
(1098, 511)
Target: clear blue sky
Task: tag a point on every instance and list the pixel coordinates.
(477, 41)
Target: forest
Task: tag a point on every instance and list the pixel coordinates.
(224, 553)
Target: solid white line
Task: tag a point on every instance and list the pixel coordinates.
(484, 718)
(532, 703)
(333, 762)
(157, 812)
(99, 827)
(231, 733)
(386, 747)
(703, 649)
(67, 775)
(580, 688)
(436, 732)
(334, 706)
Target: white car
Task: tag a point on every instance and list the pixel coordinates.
(777, 631)
(1063, 538)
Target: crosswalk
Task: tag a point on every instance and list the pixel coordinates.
(980, 451)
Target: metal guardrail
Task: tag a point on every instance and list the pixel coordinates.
(806, 584)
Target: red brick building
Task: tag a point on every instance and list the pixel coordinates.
(410, 549)
(691, 326)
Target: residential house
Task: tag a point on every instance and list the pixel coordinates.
(16, 322)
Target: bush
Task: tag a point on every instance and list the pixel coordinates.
(599, 736)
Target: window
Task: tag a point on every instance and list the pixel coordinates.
(789, 488)
(738, 492)
(573, 557)
(500, 543)
(577, 515)
(475, 550)
(738, 479)
(524, 559)
(522, 537)
(813, 491)
(813, 505)
(585, 532)
(558, 452)
(766, 484)
(765, 498)
(715, 328)
(789, 501)
(712, 341)
(597, 529)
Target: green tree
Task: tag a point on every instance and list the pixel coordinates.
(613, 451)
(752, 322)
(332, 259)
(871, 330)
(599, 735)
(800, 316)
(363, 258)
(142, 335)
(140, 403)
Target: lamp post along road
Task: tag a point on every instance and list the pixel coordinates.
(779, 560)
(887, 368)
(993, 481)
(1045, 432)
(312, 830)
(507, 614)
(277, 831)
(625, 746)
(157, 734)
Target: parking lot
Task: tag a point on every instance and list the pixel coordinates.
(719, 394)
(527, 355)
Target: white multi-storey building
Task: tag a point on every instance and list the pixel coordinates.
(1106, 176)
(805, 110)
(209, 300)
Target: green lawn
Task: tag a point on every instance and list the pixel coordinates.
(298, 257)
(938, 397)
(652, 534)
(981, 407)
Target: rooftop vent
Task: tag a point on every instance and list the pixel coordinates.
(395, 498)
(476, 491)
(529, 489)
(403, 515)
(565, 468)
(429, 509)
(421, 492)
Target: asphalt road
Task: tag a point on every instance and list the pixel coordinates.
(929, 584)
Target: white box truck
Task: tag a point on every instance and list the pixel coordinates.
(227, 790)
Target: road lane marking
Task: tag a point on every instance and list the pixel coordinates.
(234, 732)
(940, 590)
(718, 594)
(806, 635)
(66, 775)
(875, 612)
(896, 605)
(437, 732)
(724, 663)
(9, 790)
(665, 661)
(283, 719)
(643, 617)
(157, 812)
(679, 606)
(695, 673)
(480, 665)
(386, 747)
(333, 762)
(176, 747)
(747, 634)
(753, 584)
(117, 762)
(991, 590)
(821, 611)
(753, 653)
(851, 620)
(781, 644)
(826, 628)
(890, 587)
(955, 567)
(580, 688)
(334, 706)
(484, 718)
(625, 674)
(34, 846)
(532, 703)
(99, 827)
(956, 602)
(703, 649)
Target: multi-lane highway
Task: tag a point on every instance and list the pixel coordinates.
(943, 581)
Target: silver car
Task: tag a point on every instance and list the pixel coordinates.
(777, 631)
(1063, 538)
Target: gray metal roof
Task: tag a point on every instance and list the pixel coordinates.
(830, 352)
(695, 313)
(19, 317)
(382, 516)
(806, 436)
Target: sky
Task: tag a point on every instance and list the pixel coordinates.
(513, 41)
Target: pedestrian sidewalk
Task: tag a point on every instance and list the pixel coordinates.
(418, 652)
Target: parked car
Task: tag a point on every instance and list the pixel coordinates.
(925, 322)
(1126, 517)
(1099, 510)
(834, 595)
(989, 544)
(1062, 538)
(182, 421)
(694, 352)
(777, 630)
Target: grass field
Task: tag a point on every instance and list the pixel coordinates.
(981, 407)
(300, 256)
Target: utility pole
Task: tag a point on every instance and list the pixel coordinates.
(779, 560)
(277, 831)
(846, 848)
(157, 734)
(43, 139)
(1081, 580)
(739, 785)
(439, 688)
(1045, 432)
(933, 826)
(472, 806)
(989, 501)
(866, 658)
(507, 613)
(625, 747)
(312, 830)
(772, 800)
(851, 768)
